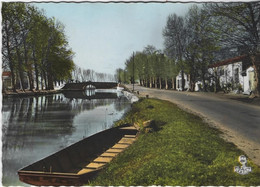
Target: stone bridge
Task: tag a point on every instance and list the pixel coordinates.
(84, 85)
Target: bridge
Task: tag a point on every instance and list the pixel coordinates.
(84, 85)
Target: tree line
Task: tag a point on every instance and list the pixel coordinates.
(151, 67)
(208, 33)
(34, 47)
(83, 75)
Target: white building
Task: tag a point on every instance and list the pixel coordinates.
(179, 82)
(235, 74)
(6, 80)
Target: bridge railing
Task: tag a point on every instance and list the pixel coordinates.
(83, 85)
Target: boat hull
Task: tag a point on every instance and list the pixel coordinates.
(64, 168)
(55, 179)
(49, 179)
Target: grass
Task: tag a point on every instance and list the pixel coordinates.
(182, 151)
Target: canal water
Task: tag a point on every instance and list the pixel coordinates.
(35, 127)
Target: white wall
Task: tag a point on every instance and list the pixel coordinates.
(246, 87)
(179, 82)
(229, 74)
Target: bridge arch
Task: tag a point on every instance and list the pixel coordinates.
(89, 86)
(83, 85)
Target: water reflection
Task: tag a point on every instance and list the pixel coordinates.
(35, 127)
(92, 94)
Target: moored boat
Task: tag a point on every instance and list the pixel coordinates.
(78, 163)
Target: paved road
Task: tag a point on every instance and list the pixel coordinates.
(241, 119)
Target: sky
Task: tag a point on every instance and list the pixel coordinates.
(104, 35)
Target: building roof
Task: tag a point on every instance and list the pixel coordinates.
(6, 74)
(229, 61)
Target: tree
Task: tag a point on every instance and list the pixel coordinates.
(38, 43)
(201, 43)
(150, 64)
(7, 41)
(174, 40)
(239, 26)
(120, 75)
(34, 46)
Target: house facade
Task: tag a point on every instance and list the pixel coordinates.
(235, 74)
(6, 80)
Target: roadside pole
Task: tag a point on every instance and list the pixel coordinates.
(133, 71)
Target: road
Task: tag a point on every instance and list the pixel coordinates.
(239, 121)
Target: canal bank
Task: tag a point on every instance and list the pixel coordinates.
(25, 93)
(179, 149)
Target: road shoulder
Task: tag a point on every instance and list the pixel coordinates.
(251, 148)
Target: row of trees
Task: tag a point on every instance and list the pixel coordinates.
(206, 34)
(34, 47)
(83, 75)
(151, 67)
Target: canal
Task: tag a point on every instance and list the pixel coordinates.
(35, 127)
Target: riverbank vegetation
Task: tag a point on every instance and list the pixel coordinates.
(208, 33)
(35, 48)
(180, 149)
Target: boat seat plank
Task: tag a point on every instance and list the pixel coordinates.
(106, 154)
(85, 170)
(130, 136)
(127, 140)
(112, 150)
(94, 165)
(120, 146)
(103, 159)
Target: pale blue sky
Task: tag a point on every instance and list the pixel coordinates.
(104, 35)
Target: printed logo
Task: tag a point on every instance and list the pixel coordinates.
(243, 170)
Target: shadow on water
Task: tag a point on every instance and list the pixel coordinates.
(34, 127)
(89, 94)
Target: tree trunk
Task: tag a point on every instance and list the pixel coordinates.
(204, 83)
(155, 82)
(42, 81)
(29, 71)
(140, 80)
(192, 83)
(11, 64)
(45, 79)
(36, 71)
(182, 80)
(20, 69)
(256, 64)
(160, 82)
(151, 83)
(12, 76)
(50, 81)
(173, 83)
(166, 83)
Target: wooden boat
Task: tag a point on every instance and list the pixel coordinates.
(78, 163)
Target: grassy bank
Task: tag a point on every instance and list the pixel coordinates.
(181, 150)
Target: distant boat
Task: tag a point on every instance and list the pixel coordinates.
(78, 163)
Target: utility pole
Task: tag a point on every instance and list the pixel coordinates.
(124, 76)
(133, 71)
